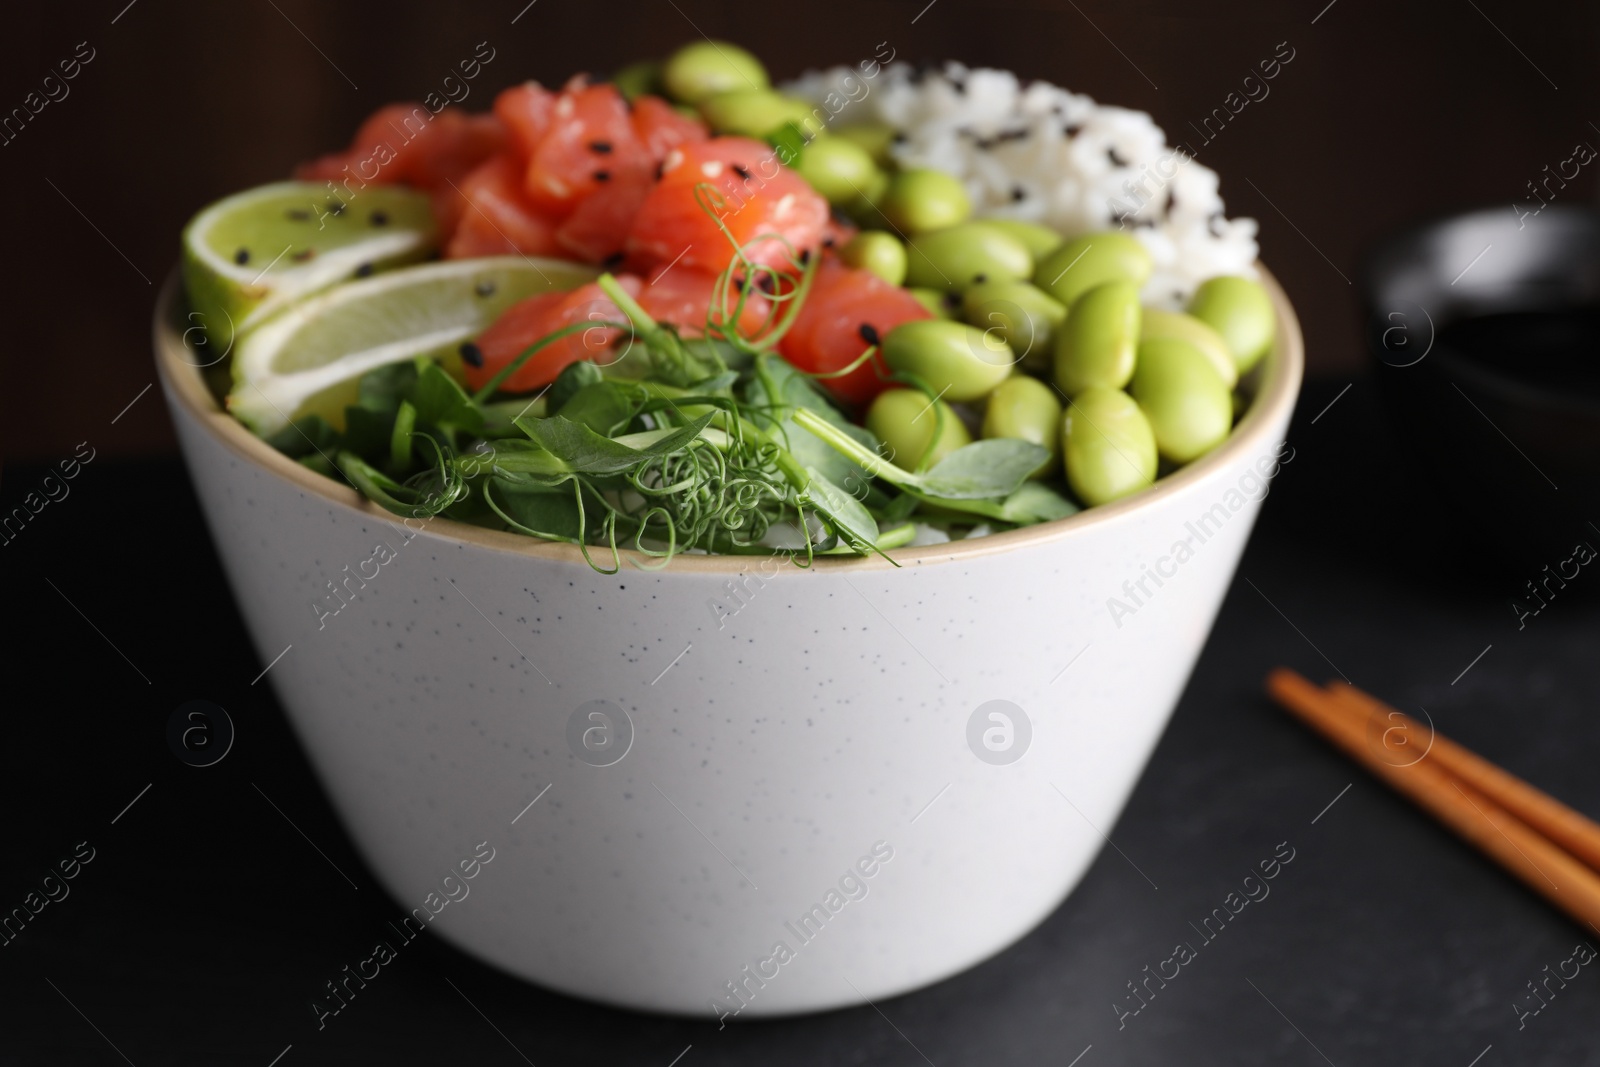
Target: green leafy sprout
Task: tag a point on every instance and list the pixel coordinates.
(709, 443)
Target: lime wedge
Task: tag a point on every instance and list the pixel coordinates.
(250, 255)
(308, 358)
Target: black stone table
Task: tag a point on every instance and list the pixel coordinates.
(206, 919)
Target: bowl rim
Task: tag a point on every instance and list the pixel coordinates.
(1281, 372)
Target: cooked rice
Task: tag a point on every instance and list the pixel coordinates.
(1038, 152)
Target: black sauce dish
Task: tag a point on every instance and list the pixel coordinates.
(1485, 329)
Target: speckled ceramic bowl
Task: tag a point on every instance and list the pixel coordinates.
(721, 787)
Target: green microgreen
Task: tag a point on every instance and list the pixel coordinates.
(710, 441)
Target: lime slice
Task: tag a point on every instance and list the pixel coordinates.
(250, 255)
(308, 359)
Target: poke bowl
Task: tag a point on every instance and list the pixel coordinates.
(768, 781)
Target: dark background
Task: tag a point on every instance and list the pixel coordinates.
(207, 921)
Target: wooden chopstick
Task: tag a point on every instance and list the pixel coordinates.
(1541, 864)
(1567, 828)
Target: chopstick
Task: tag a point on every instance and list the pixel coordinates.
(1468, 794)
(1538, 809)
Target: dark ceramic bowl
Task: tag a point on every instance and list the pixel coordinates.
(1486, 332)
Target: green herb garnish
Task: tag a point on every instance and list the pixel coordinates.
(720, 446)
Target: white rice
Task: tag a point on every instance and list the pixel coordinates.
(1041, 153)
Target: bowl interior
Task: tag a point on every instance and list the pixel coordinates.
(1275, 383)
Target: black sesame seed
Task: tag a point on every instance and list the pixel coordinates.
(1116, 160)
(805, 256)
(242, 256)
(898, 138)
(613, 261)
(337, 209)
(661, 168)
(951, 300)
(742, 171)
(471, 354)
(869, 333)
(602, 175)
(767, 283)
(829, 241)
(380, 218)
(303, 255)
(1018, 193)
(979, 279)
(364, 271)
(484, 289)
(1071, 129)
(299, 216)
(603, 147)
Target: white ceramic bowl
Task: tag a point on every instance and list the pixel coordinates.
(765, 754)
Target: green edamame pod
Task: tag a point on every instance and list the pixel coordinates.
(839, 170)
(904, 420)
(704, 68)
(1157, 323)
(1107, 445)
(1091, 260)
(958, 361)
(638, 79)
(1098, 342)
(1240, 310)
(875, 137)
(1027, 409)
(751, 112)
(1039, 240)
(881, 253)
(958, 256)
(1189, 407)
(919, 200)
(1025, 316)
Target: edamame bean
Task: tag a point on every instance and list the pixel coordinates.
(864, 209)
(1098, 342)
(881, 253)
(704, 68)
(1025, 317)
(638, 79)
(1189, 407)
(904, 420)
(1039, 240)
(1157, 323)
(839, 170)
(875, 137)
(1027, 409)
(751, 112)
(919, 200)
(1107, 445)
(1241, 312)
(958, 361)
(1091, 260)
(958, 256)
(934, 301)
